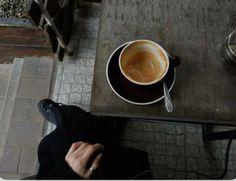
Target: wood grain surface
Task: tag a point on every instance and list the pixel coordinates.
(194, 30)
(16, 41)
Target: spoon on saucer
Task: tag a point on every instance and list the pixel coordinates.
(167, 99)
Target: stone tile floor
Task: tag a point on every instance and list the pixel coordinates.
(176, 150)
(5, 71)
(21, 123)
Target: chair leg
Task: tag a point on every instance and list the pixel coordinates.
(208, 133)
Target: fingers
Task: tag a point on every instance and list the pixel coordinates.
(96, 161)
(74, 146)
(91, 149)
(81, 149)
(94, 165)
(83, 156)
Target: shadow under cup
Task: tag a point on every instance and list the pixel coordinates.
(143, 62)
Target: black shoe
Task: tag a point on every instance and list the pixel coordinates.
(50, 111)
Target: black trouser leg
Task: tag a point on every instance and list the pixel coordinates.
(82, 125)
(56, 143)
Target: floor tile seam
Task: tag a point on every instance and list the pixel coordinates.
(29, 109)
(37, 66)
(36, 78)
(4, 96)
(61, 79)
(2, 105)
(50, 89)
(26, 121)
(19, 160)
(84, 74)
(23, 145)
(40, 76)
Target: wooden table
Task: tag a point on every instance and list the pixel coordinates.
(205, 88)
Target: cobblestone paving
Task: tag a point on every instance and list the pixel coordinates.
(74, 78)
(176, 151)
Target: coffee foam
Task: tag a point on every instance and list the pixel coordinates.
(144, 62)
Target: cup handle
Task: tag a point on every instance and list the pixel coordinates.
(174, 61)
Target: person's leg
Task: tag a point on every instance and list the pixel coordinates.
(91, 128)
(56, 143)
(51, 156)
(80, 124)
(94, 129)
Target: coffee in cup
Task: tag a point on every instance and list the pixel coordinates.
(143, 62)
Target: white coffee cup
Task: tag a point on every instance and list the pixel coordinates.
(144, 62)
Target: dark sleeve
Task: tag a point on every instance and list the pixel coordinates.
(55, 168)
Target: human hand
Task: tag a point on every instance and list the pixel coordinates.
(80, 158)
